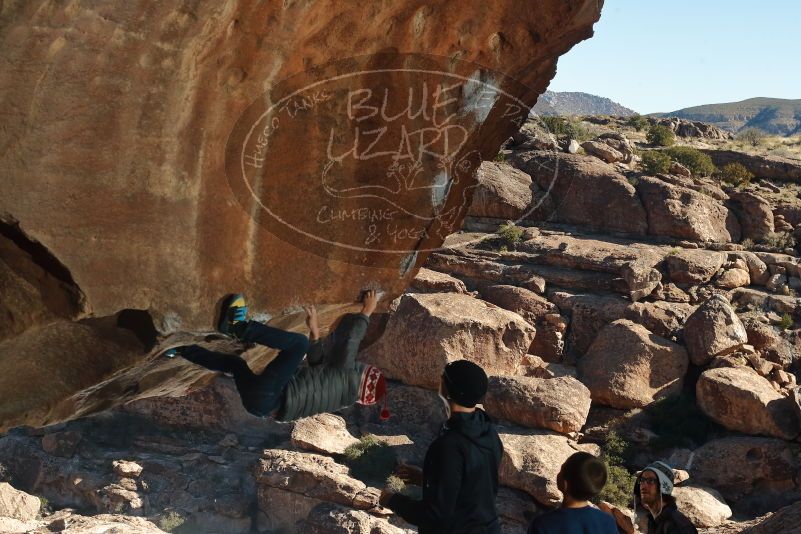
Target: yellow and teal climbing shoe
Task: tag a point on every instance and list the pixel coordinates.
(234, 310)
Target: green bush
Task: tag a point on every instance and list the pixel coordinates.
(638, 122)
(170, 521)
(735, 174)
(786, 321)
(752, 136)
(370, 460)
(620, 483)
(510, 233)
(655, 162)
(500, 157)
(566, 127)
(699, 163)
(660, 136)
(679, 423)
(619, 488)
(780, 240)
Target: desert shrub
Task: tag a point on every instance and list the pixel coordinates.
(752, 136)
(780, 240)
(660, 136)
(735, 174)
(500, 157)
(786, 321)
(638, 122)
(170, 521)
(620, 482)
(679, 422)
(699, 163)
(397, 485)
(370, 460)
(655, 161)
(510, 233)
(567, 127)
(619, 487)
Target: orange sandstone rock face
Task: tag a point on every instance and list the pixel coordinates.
(296, 150)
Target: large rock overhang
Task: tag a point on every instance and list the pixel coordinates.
(126, 126)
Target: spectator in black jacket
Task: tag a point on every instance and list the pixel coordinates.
(460, 473)
(653, 496)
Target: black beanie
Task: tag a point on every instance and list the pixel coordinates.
(466, 382)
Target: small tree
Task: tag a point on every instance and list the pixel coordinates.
(700, 164)
(655, 162)
(752, 136)
(735, 174)
(659, 135)
(638, 122)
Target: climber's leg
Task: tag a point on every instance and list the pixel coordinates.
(272, 381)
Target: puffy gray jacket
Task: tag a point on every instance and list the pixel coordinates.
(333, 377)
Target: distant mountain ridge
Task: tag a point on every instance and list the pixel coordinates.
(575, 103)
(777, 116)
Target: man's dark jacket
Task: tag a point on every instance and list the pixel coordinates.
(332, 379)
(460, 480)
(670, 520)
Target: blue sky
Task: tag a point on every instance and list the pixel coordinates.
(654, 55)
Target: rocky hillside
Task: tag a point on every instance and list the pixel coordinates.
(576, 103)
(776, 116)
(617, 312)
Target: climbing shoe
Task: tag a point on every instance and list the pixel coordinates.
(234, 311)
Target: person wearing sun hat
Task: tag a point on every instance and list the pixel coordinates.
(460, 472)
(653, 495)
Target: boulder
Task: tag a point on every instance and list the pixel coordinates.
(96, 350)
(603, 151)
(117, 157)
(754, 213)
(627, 366)
(588, 315)
(330, 518)
(502, 192)
(532, 459)
(694, 266)
(324, 433)
(733, 278)
(291, 484)
(756, 267)
(679, 169)
(549, 338)
(573, 146)
(740, 399)
(683, 213)
(524, 302)
(665, 319)
(713, 330)
(427, 331)
(641, 278)
(428, 281)
(755, 475)
(766, 167)
(560, 404)
(787, 520)
(585, 191)
(127, 469)
(704, 507)
(17, 504)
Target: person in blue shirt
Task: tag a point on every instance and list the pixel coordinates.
(581, 478)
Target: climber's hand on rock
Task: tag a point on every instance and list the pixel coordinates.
(311, 322)
(369, 301)
(410, 474)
